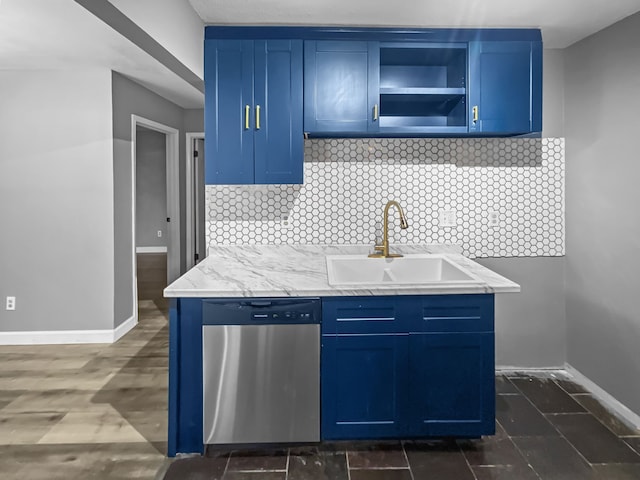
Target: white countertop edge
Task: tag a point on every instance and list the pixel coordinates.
(251, 274)
(482, 289)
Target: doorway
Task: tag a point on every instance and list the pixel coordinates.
(151, 213)
(156, 208)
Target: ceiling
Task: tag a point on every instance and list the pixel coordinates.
(562, 22)
(61, 34)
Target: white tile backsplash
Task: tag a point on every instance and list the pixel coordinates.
(348, 182)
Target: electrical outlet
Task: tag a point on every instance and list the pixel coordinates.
(493, 218)
(448, 218)
(285, 220)
(159, 233)
(11, 303)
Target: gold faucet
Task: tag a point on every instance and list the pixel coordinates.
(383, 250)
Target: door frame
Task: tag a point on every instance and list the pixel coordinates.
(172, 164)
(190, 207)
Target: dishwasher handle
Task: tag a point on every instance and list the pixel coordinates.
(261, 303)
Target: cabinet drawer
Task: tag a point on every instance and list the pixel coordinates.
(362, 315)
(455, 313)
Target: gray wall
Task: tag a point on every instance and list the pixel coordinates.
(56, 200)
(553, 93)
(151, 188)
(603, 227)
(194, 120)
(530, 325)
(130, 98)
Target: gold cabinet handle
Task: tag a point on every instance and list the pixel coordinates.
(246, 117)
(257, 117)
(375, 112)
(475, 113)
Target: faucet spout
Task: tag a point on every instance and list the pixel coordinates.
(383, 250)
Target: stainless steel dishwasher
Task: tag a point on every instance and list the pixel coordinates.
(261, 370)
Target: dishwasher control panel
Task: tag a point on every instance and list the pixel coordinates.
(261, 311)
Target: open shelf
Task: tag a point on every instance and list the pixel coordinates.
(423, 86)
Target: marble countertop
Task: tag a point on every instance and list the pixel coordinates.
(300, 270)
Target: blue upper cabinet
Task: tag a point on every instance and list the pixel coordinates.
(359, 82)
(228, 104)
(505, 96)
(278, 137)
(341, 86)
(253, 111)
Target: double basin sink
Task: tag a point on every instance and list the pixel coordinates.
(416, 269)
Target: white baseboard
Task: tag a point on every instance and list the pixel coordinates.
(610, 402)
(68, 336)
(507, 369)
(121, 330)
(151, 249)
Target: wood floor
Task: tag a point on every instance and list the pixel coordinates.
(152, 275)
(87, 411)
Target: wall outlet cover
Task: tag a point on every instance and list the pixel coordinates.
(493, 218)
(448, 218)
(11, 303)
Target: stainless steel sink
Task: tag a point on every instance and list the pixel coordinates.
(417, 269)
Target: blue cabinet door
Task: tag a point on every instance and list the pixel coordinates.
(341, 92)
(253, 111)
(362, 388)
(278, 138)
(505, 91)
(451, 384)
(228, 111)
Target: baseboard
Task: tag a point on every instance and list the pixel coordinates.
(608, 400)
(506, 369)
(151, 249)
(122, 329)
(60, 337)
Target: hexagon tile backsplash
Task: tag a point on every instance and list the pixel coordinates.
(516, 183)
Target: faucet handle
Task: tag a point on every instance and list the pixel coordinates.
(378, 251)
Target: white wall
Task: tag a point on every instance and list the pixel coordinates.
(172, 23)
(603, 225)
(56, 200)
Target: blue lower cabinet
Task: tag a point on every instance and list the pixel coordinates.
(362, 376)
(451, 388)
(408, 366)
(185, 377)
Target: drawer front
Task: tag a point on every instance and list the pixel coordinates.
(361, 315)
(455, 313)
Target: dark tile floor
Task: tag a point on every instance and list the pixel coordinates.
(547, 428)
